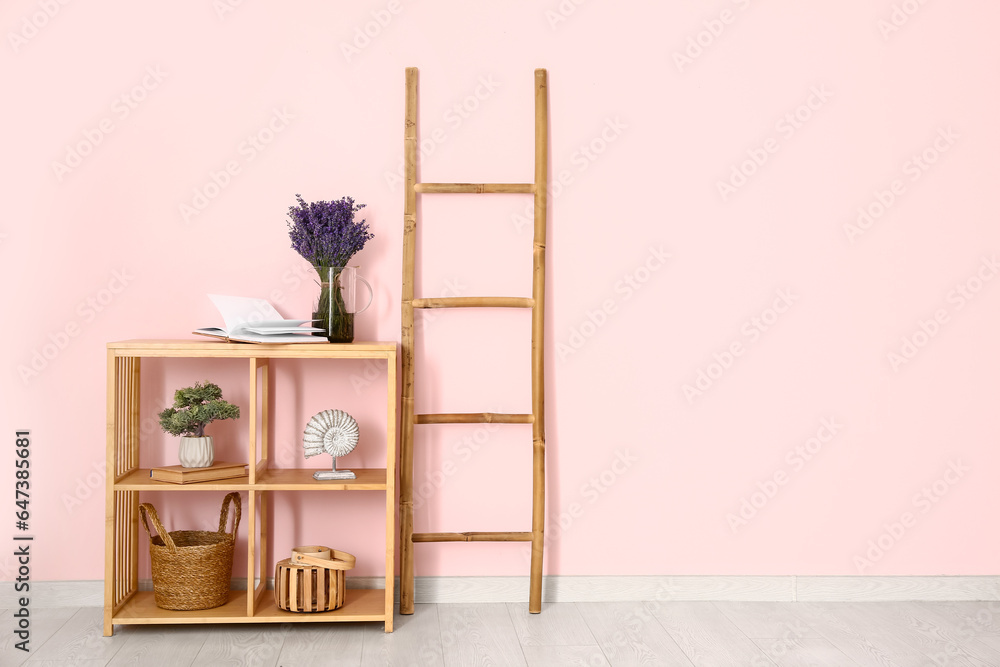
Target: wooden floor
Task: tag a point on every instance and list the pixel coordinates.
(745, 634)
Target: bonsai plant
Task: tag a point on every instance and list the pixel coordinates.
(327, 236)
(194, 408)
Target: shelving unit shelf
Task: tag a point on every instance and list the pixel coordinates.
(124, 603)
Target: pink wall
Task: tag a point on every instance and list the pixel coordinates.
(766, 297)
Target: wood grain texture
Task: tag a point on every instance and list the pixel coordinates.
(876, 589)
(80, 638)
(199, 347)
(235, 646)
(705, 634)
(932, 634)
(478, 635)
(315, 645)
(560, 625)
(803, 652)
(885, 633)
(474, 302)
(473, 418)
(766, 619)
(44, 624)
(68, 663)
(856, 638)
(629, 635)
(159, 646)
(971, 618)
(568, 656)
(538, 338)
(415, 641)
(471, 537)
(475, 188)
(406, 583)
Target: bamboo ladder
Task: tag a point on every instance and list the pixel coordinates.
(537, 304)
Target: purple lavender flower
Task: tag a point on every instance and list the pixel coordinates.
(325, 233)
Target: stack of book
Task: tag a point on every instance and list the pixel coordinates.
(181, 475)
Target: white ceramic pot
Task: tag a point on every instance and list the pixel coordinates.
(196, 452)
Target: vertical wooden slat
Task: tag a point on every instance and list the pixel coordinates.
(282, 586)
(406, 432)
(322, 587)
(263, 539)
(265, 365)
(111, 431)
(390, 490)
(253, 422)
(293, 591)
(307, 587)
(132, 497)
(252, 498)
(538, 339)
(118, 551)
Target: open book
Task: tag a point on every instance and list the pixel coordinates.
(250, 320)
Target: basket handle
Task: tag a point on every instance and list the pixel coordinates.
(234, 498)
(341, 560)
(147, 509)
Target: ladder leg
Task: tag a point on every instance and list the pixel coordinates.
(538, 340)
(406, 432)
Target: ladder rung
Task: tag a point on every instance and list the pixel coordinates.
(474, 302)
(473, 418)
(472, 537)
(477, 188)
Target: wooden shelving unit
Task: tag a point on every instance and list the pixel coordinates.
(124, 603)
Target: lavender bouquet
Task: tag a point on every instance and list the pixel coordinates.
(327, 236)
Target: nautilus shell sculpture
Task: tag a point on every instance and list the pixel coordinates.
(332, 432)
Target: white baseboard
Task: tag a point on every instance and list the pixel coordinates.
(560, 588)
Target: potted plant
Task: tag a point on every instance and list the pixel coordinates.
(194, 408)
(326, 234)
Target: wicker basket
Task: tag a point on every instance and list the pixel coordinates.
(312, 579)
(192, 568)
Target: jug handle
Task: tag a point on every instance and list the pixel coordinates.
(371, 295)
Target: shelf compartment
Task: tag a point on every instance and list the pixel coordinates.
(301, 479)
(364, 604)
(277, 479)
(139, 480)
(360, 604)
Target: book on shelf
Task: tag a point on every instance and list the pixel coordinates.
(181, 475)
(249, 320)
